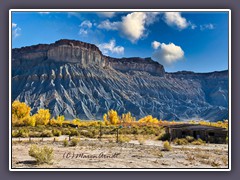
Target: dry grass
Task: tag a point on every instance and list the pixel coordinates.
(41, 154)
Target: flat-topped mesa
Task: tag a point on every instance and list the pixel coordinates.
(137, 64)
(76, 52)
(72, 51)
(62, 51)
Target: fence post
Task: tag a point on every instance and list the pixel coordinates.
(100, 133)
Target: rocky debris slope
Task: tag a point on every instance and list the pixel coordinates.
(74, 79)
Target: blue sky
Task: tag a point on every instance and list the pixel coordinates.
(193, 41)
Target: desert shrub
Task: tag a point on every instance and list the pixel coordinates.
(88, 134)
(141, 140)
(75, 141)
(190, 138)
(198, 142)
(66, 132)
(21, 133)
(181, 141)
(123, 139)
(65, 142)
(15, 133)
(135, 130)
(56, 132)
(42, 155)
(74, 132)
(167, 146)
(47, 133)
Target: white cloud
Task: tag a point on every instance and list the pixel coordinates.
(167, 54)
(193, 26)
(207, 26)
(155, 44)
(86, 23)
(83, 32)
(85, 26)
(106, 14)
(109, 25)
(175, 19)
(15, 30)
(14, 25)
(111, 47)
(133, 26)
(152, 17)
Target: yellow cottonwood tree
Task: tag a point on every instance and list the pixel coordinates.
(148, 119)
(128, 118)
(19, 111)
(105, 119)
(29, 121)
(42, 117)
(111, 117)
(60, 120)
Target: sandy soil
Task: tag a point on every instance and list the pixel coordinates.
(92, 153)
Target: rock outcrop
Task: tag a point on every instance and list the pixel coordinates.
(75, 79)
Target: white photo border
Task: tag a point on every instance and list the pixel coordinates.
(119, 10)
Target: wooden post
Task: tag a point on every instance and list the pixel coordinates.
(170, 135)
(100, 133)
(117, 135)
(69, 138)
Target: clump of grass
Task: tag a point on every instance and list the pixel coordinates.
(47, 133)
(75, 141)
(89, 134)
(65, 142)
(215, 163)
(66, 132)
(141, 140)
(167, 146)
(41, 154)
(56, 132)
(181, 141)
(190, 138)
(21, 133)
(123, 139)
(190, 157)
(74, 132)
(198, 142)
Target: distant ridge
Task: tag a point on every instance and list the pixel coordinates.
(75, 79)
